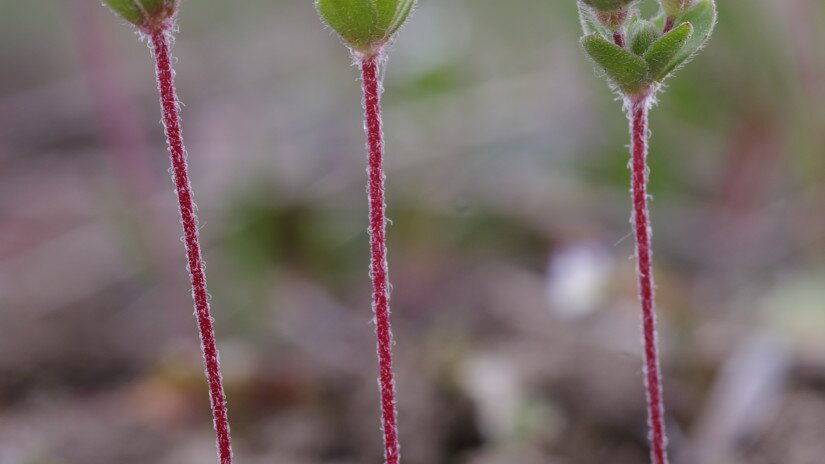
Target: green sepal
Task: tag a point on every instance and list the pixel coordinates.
(641, 35)
(662, 53)
(144, 13)
(703, 19)
(365, 25)
(392, 14)
(626, 70)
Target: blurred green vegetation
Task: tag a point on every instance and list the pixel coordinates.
(507, 161)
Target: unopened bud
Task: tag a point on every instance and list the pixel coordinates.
(147, 15)
(608, 5)
(365, 25)
(676, 7)
(641, 35)
(612, 14)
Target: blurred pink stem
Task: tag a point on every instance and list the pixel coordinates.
(653, 378)
(171, 119)
(121, 129)
(378, 246)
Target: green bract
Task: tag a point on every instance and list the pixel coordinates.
(365, 25)
(649, 56)
(626, 70)
(703, 19)
(144, 13)
(662, 56)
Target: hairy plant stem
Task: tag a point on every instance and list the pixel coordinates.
(371, 84)
(669, 23)
(618, 38)
(638, 111)
(160, 41)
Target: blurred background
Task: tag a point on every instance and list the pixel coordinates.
(515, 309)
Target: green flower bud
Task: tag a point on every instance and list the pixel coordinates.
(148, 15)
(365, 25)
(612, 14)
(651, 57)
(676, 7)
(641, 36)
(608, 5)
(613, 20)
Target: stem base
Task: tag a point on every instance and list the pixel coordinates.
(371, 84)
(160, 40)
(641, 221)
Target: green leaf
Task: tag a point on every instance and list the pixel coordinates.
(365, 25)
(663, 52)
(703, 19)
(127, 9)
(641, 35)
(626, 70)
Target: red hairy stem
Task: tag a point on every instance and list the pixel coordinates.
(618, 39)
(669, 23)
(641, 221)
(171, 120)
(378, 246)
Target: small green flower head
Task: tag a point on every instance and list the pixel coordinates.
(147, 15)
(608, 5)
(649, 56)
(365, 25)
(612, 14)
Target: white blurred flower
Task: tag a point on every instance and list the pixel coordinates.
(577, 278)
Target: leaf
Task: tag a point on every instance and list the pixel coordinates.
(641, 35)
(128, 9)
(703, 19)
(662, 53)
(626, 70)
(154, 6)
